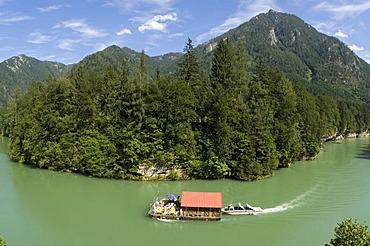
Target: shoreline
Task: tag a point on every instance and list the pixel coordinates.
(152, 173)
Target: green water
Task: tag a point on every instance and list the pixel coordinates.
(302, 204)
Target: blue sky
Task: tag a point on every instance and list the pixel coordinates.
(68, 30)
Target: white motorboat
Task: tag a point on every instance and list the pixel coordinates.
(241, 210)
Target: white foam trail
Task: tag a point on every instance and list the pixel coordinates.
(291, 204)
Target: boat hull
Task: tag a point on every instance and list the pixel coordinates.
(163, 217)
(246, 212)
(241, 210)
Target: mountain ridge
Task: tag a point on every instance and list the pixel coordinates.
(287, 43)
(324, 64)
(21, 70)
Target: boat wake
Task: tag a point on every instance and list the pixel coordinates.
(298, 201)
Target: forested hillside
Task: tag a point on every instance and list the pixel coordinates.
(286, 43)
(20, 70)
(282, 41)
(241, 121)
(114, 55)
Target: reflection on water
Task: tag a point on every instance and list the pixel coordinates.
(364, 152)
(40, 207)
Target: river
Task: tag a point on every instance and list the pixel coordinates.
(302, 205)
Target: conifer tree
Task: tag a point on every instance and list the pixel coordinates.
(218, 127)
(263, 156)
(223, 64)
(240, 77)
(329, 115)
(285, 118)
(141, 85)
(308, 122)
(85, 99)
(188, 68)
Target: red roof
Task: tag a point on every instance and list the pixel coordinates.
(201, 199)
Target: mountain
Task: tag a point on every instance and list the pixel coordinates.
(21, 70)
(114, 55)
(324, 64)
(284, 42)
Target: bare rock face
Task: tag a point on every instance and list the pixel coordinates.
(342, 135)
(153, 173)
(150, 171)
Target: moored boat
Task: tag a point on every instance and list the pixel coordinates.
(239, 209)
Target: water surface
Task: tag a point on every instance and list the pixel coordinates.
(302, 205)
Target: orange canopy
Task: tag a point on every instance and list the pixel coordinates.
(201, 199)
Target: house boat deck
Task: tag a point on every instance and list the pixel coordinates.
(191, 206)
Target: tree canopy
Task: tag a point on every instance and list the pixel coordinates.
(2, 241)
(350, 233)
(241, 121)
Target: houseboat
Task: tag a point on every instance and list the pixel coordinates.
(188, 206)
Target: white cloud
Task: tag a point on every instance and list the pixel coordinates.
(355, 48)
(67, 44)
(158, 23)
(324, 26)
(81, 27)
(16, 18)
(246, 10)
(49, 57)
(100, 46)
(176, 35)
(341, 34)
(38, 38)
(341, 11)
(367, 58)
(52, 8)
(124, 31)
(130, 5)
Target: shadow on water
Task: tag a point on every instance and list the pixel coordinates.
(364, 153)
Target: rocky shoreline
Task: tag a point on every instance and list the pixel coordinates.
(343, 135)
(163, 173)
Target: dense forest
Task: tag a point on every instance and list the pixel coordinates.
(240, 120)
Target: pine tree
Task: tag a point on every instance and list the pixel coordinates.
(188, 68)
(223, 64)
(85, 98)
(240, 76)
(141, 85)
(221, 108)
(263, 154)
(329, 115)
(308, 122)
(285, 123)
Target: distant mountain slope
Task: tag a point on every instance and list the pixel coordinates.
(21, 70)
(114, 55)
(282, 41)
(285, 42)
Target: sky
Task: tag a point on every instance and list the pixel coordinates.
(68, 30)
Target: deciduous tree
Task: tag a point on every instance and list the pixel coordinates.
(350, 233)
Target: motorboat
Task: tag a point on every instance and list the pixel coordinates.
(239, 209)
